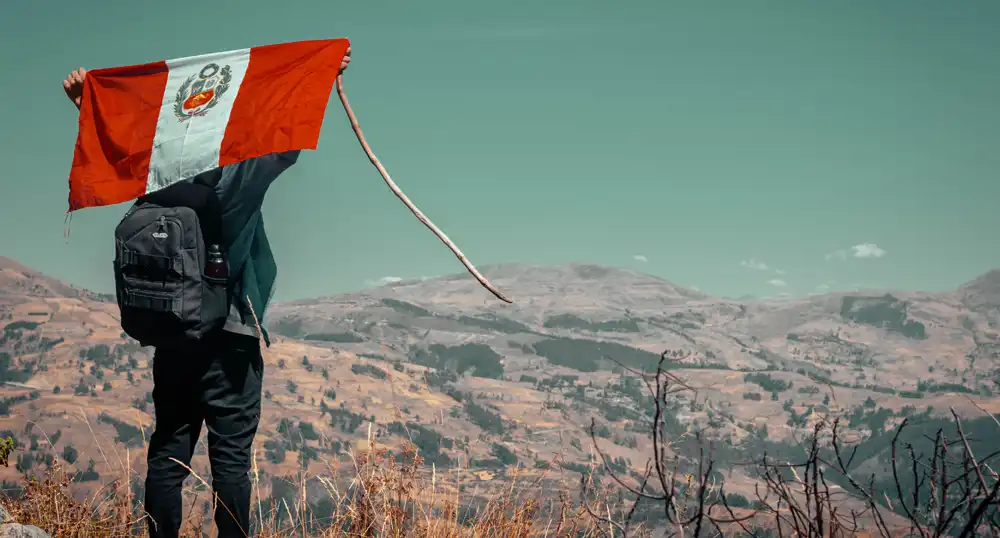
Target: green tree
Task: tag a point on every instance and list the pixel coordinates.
(504, 454)
(70, 454)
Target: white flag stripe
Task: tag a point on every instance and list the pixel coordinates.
(188, 143)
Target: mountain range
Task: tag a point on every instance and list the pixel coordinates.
(480, 386)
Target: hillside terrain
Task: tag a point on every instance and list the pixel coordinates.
(482, 387)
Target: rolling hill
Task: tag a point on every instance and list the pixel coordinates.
(480, 386)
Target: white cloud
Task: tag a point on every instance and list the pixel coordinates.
(383, 281)
(640, 258)
(777, 282)
(757, 265)
(754, 264)
(823, 288)
(868, 250)
(861, 250)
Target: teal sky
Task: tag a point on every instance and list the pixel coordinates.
(694, 135)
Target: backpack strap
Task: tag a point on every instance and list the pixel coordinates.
(161, 263)
(147, 302)
(157, 267)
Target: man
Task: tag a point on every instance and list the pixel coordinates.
(218, 381)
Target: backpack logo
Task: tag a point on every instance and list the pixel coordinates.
(201, 91)
(159, 235)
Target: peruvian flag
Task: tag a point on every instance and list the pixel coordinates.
(145, 127)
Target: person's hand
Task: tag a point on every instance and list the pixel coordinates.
(345, 62)
(73, 85)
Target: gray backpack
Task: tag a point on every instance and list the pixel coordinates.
(161, 255)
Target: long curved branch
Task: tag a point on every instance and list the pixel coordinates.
(413, 208)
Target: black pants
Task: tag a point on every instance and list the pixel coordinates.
(218, 382)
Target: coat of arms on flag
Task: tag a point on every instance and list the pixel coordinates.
(201, 91)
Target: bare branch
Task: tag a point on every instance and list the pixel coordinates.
(968, 450)
(406, 201)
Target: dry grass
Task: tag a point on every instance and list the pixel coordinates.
(385, 496)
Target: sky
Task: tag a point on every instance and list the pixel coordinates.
(741, 148)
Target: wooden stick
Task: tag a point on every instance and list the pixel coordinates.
(399, 194)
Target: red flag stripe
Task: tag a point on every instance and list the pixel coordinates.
(116, 128)
(283, 99)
